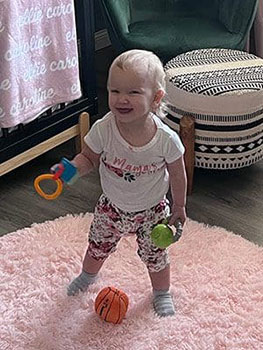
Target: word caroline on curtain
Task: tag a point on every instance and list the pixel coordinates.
(38, 58)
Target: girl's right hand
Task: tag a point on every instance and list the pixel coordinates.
(66, 171)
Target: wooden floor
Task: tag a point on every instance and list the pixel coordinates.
(230, 199)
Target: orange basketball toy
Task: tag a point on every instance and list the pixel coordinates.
(111, 304)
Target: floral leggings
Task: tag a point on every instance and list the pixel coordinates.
(110, 224)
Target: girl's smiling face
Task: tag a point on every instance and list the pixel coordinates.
(131, 94)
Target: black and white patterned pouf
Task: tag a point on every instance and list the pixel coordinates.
(223, 90)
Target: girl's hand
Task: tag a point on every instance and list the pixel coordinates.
(66, 171)
(177, 214)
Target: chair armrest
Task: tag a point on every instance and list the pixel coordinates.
(118, 13)
(237, 15)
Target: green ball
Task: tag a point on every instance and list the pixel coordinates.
(162, 236)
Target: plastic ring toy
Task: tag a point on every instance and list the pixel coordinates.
(39, 190)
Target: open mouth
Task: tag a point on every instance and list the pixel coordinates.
(124, 110)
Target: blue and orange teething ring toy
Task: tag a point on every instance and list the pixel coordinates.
(64, 172)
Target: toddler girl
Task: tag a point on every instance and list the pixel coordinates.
(138, 158)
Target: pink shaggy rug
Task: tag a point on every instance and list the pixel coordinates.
(217, 285)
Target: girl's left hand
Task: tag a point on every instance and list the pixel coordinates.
(178, 213)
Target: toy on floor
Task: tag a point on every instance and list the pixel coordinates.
(111, 304)
(64, 172)
(162, 234)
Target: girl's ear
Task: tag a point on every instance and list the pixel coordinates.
(158, 97)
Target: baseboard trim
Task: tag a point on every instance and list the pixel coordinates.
(102, 39)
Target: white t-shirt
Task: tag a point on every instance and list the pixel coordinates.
(133, 178)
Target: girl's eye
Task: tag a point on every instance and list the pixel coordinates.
(134, 92)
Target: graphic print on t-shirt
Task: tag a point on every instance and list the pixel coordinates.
(130, 172)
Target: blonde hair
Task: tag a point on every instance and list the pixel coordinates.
(142, 60)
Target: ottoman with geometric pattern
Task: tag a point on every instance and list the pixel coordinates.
(222, 90)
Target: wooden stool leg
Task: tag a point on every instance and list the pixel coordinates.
(84, 126)
(187, 134)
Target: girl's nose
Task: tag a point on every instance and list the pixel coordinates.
(123, 98)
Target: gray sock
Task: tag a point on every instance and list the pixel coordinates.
(163, 303)
(81, 283)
